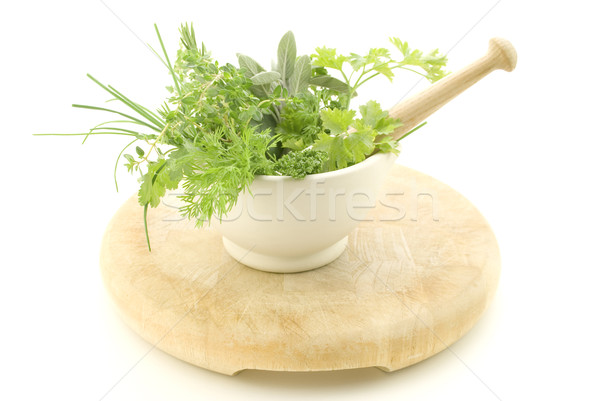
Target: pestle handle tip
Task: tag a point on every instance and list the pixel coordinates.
(503, 53)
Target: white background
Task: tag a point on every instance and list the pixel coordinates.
(521, 146)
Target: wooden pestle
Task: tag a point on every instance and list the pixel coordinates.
(501, 55)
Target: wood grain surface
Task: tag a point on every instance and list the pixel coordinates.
(412, 281)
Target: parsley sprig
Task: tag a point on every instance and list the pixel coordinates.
(357, 69)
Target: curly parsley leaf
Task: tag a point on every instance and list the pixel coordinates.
(337, 121)
(299, 164)
(348, 140)
(373, 116)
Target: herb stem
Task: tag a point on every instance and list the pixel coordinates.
(150, 115)
(153, 146)
(413, 130)
(169, 66)
(411, 70)
(359, 83)
(270, 100)
(141, 110)
(117, 162)
(146, 226)
(87, 133)
(134, 119)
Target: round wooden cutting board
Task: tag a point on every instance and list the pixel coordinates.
(413, 280)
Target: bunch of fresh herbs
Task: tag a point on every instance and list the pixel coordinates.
(222, 125)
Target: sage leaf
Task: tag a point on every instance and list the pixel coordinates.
(261, 91)
(249, 64)
(286, 55)
(330, 82)
(299, 79)
(265, 77)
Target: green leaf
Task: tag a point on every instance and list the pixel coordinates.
(161, 175)
(139, 151)
(149, 193)
(334, 146)
(348, 149)
(329, 82)
(381, 123)
(337, 121)
(400, 45)
(299, 79)
(328, 58)
(299, 164)
(357, 61)
(372, 113)
(300, 122)
(432, 63)
(344, 146)
(130, 165)
(349, 146)
(250, 65)
(265, 77)
(360, 142)
(188, 37)
(286, 55)
(277, 92)
(387, 144)
(377, 54)
(384, 68)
